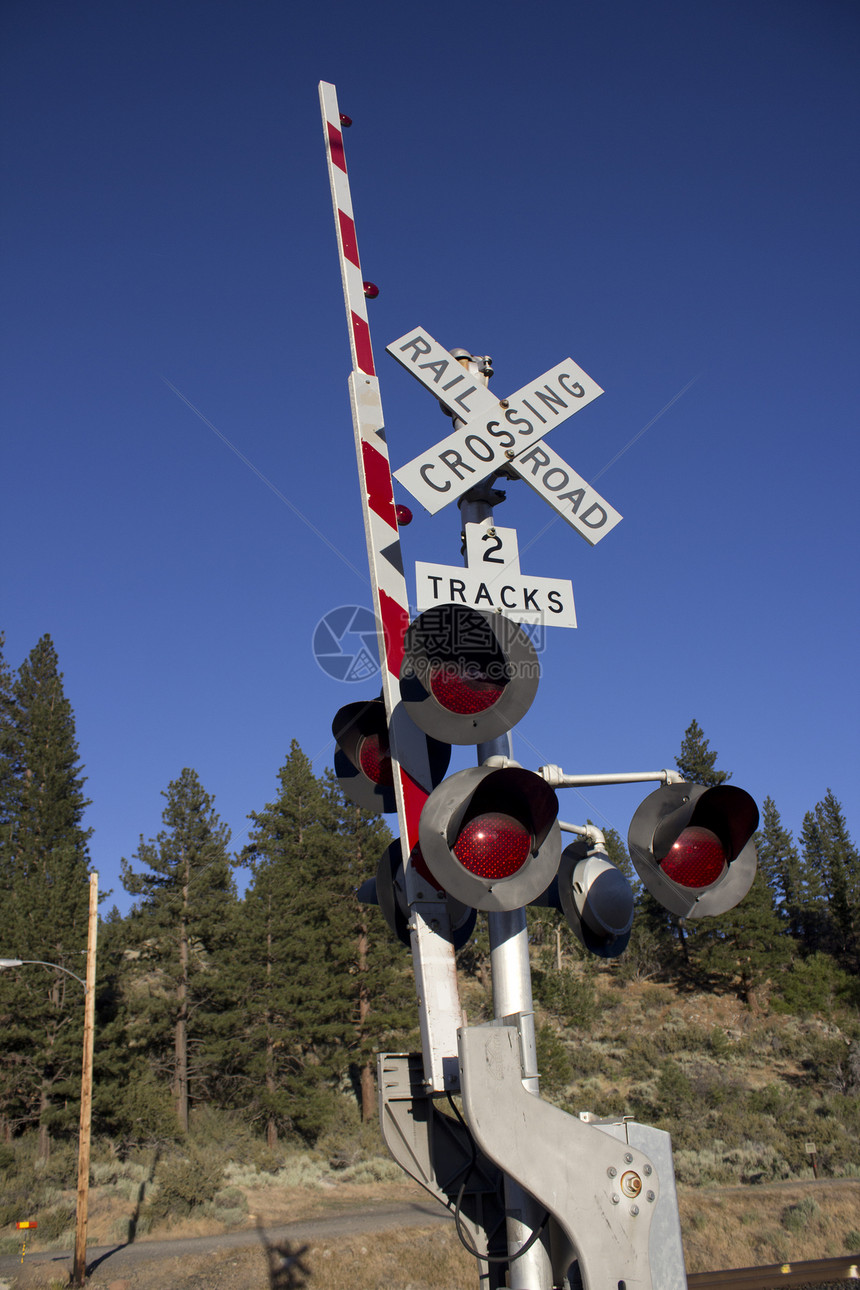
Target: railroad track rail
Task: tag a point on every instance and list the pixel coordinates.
(813, 1272)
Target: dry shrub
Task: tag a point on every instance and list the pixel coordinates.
(422, 1260)
(746, 1227)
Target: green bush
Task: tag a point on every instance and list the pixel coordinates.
(674, 1089)
(234, 1217)
(797, 1217)
(566, 996)
(584, 1059)
(685, 1039)
(183, 1185)
(54, 1223)
(372, 1171)
(229, 1206)
(553, 1061)
(352, 1142)
(815, 985)
(10, 1212)
(60, 1168)
(226, 1132)
(641, 1057)
(719, 1042)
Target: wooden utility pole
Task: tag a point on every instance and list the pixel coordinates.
(79, 1271)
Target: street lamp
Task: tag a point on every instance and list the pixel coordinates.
(79, 1270)
(4, 963)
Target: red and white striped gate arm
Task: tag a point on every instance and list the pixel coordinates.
(432, 953)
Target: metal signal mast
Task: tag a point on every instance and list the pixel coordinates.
(542, 1199)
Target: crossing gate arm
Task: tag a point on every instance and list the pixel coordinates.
(440, 1011)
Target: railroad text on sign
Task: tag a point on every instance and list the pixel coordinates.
(580, 505)
(494, 432)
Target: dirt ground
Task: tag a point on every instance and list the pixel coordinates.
(384, 1237)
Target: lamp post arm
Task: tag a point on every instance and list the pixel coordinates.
(13, 963)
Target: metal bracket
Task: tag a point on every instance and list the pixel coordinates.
(602, 1190)
(438, 1151)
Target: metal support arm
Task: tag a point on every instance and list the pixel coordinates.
(557, 778)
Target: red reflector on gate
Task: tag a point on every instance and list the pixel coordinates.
(375, 761)
(696, 858)
(493, 845)
(463, 688)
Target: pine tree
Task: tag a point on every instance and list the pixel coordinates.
(695, 762)
(743, 944)
(10, 770)
(44, 910)
(698, 765)
(9, 781)
(181, 929)
(841, 871)
(131, 1104)
(617, 852)
(814, 897)
(746, 945)
(658, 946)
(381, 984)
(292, 960)
(780, 867)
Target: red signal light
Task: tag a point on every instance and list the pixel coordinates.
(693, 847)
(346, 121)
(371, 290)
(696, 858)
(375, 761)
(463, 688)
(490, 837)
(404, 515)
(494, 846)
(466, 676)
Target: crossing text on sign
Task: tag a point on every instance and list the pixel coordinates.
(495, 431)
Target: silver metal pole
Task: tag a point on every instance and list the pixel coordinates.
(512, 993)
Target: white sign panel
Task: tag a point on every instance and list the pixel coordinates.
(495, 431)
(443, 375)
(567, 492)
(493, 582)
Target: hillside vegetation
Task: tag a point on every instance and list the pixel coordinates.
(235, 1032)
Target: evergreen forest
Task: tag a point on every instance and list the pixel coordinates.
(264, 1010)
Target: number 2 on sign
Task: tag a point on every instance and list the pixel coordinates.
(489, 556)
(488, 545)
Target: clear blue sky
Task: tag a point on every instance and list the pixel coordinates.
(666, 192)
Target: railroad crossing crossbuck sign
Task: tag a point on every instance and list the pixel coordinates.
(497, 433)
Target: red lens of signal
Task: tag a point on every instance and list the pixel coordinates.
(696, 858)
(494, 845)
(375, 761)
(463, 688)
